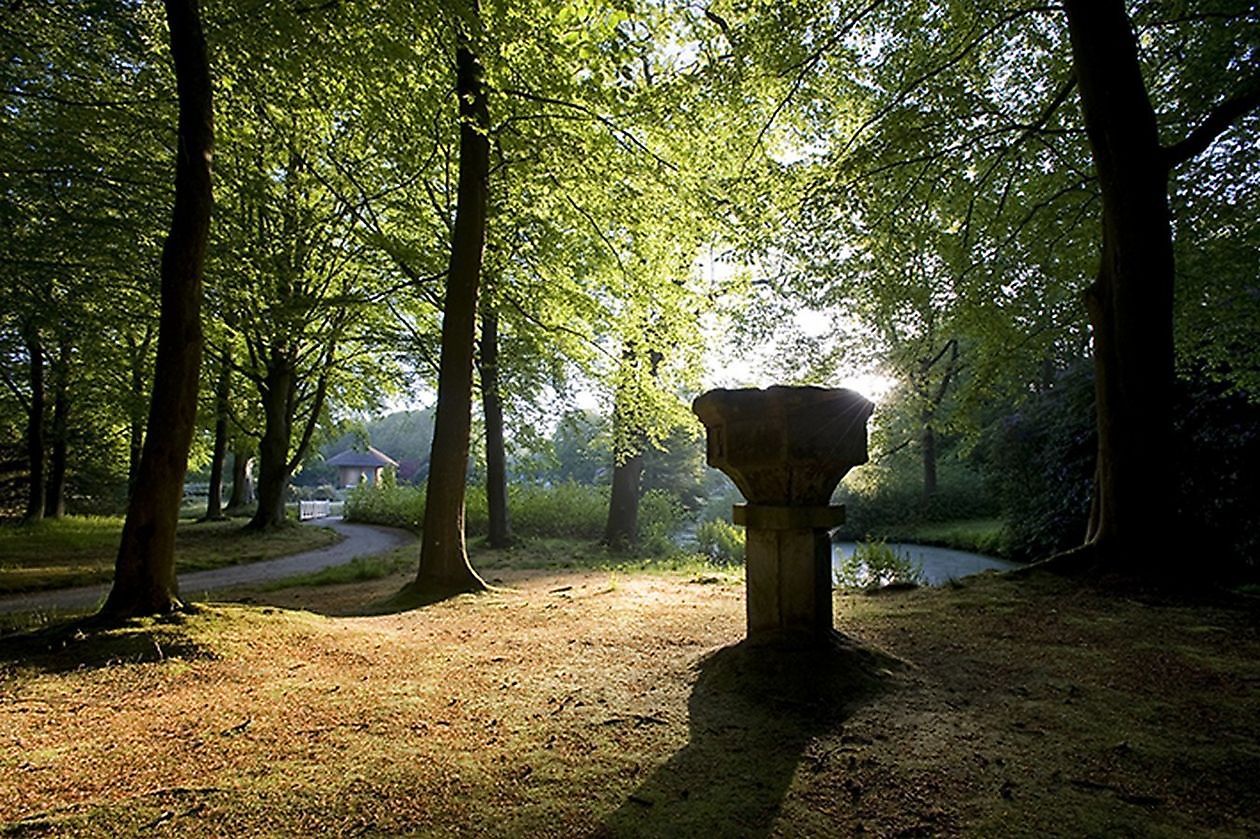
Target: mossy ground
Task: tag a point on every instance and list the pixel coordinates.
(579, 702)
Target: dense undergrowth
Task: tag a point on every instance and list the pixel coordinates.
(568, 510)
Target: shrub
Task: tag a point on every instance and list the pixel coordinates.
(721, 541)
(1216, 482)
(1042, 465)
(397, 506)
(660, 518)
(874, 563)
(566, 509)
(886, 501)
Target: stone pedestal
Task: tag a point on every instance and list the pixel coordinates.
(786, 448)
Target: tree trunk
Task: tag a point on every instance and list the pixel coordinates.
(444, 565)
(1130, 302)
(136, 406)
(214, 498)
(622, 529)
(500, 535)
(144, 574)
(273, 450)
(35, 428)
(242, 492)
(55, 491)
(928, 439)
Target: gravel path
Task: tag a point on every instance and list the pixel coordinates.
(360, 540)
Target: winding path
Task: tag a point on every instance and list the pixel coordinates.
(360, 540)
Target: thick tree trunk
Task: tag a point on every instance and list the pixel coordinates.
(273, 450)
(55, 492)
(444, 565)
(1131, 300)
(144, 574)
(35, 428)
(500, 535)
(242, 490)
(214, 498)
(622, 528)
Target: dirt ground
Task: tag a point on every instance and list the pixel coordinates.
(598, 704)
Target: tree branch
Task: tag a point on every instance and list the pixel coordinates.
(613, 128)
(1217, 121)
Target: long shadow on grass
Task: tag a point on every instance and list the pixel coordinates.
(752, 713)
(86, 644)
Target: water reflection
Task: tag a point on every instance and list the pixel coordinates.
(940, 565)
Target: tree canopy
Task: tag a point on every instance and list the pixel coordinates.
(932, 181)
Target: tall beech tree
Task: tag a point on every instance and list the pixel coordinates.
(86, 111)
(218, 456)
(499, 528)
(1130, 302)
(302, 298)
(972, 104)
(630, 439)
(35, 409)
(444, 565)
(144, 572)
(55, 486)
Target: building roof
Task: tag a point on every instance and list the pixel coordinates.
(371, 458)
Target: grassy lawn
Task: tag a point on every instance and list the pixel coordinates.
(982, 536)
(540, 554)
(80, 549)
(579, 702)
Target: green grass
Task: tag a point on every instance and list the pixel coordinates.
(80, 550)
(983, 536)
(358, 570)
(560, 554)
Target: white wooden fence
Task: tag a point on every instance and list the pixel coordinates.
(314, 509)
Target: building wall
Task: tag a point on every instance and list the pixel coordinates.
(349, 477)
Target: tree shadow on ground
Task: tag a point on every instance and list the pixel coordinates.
(89, 644)
(752, 713)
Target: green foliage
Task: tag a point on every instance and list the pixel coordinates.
(660, 517)
(982, 536)
(397, 506)
(881, 499)
(565, 510)
(720, 496)
(676, 465)
(1040, 460)
(579, 450)
(874, 564)
(721, 541)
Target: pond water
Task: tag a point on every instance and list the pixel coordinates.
(940, 565)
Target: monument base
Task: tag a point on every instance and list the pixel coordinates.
(788, 571)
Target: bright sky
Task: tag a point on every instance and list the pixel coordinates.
(725, 366)
(753, 366)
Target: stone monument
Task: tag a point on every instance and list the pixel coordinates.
(786, 448)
